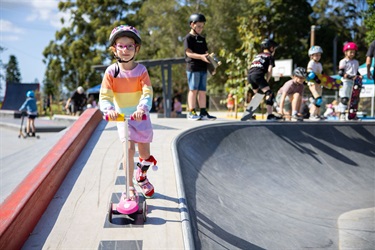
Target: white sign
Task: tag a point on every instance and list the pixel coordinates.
(363, 70)
(368, 90)
(282, 68)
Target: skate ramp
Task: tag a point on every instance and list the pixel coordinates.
(15, 94)
(279, 185)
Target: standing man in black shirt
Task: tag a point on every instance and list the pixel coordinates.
(369, 56)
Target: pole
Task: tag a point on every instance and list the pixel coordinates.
(334, 54)
(164, 90)
(169, 91)
(312, 36)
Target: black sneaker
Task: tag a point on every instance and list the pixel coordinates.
(272, 117)
(207, 116)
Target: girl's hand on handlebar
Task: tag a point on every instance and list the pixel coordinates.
(112, 115)
(137, 115)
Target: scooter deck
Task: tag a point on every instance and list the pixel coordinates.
(132, 214)
(127, 206)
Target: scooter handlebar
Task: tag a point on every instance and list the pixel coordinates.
(122, 117)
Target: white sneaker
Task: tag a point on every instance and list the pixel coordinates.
(296, 118)
(342, 117)
(193, 116)
(314, 118)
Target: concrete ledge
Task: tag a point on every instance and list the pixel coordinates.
(22, 210)
(65, 118)
(39, 129)
(7, 113)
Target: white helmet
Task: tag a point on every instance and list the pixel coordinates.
(80, 90)
(315, 49)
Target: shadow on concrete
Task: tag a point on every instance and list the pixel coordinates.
(275, 185)
(51, 214)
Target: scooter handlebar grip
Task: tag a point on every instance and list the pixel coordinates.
(144, 117)
(122, 117)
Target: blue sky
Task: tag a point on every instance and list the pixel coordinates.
(26, 28)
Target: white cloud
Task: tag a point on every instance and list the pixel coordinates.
(9, 31)
(42, 10)
(9, 38)
(7, 26)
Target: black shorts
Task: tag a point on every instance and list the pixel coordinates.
(257, 81)
(32, 117)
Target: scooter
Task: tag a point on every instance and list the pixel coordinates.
(22, 134)
(126, 205)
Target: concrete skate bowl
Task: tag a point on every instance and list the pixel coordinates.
(279, 185)
(15, 94)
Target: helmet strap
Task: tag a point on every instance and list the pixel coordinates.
(195, 32)
(123, 61)
(193, 29)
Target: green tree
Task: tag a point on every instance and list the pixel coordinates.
(338, 22)
(266, 19)
(370, 21)
(233, 30)
(2, 66)
(166, 24)
(83, 43)
(163, 28)
(12, 74)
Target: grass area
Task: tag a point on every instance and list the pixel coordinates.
(54, 109)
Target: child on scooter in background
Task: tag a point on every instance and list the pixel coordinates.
(348, 70)
(32, 112)
(314, 68)
(126, 89)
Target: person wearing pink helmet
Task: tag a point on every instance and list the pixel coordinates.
(348, 70)
(126, 89)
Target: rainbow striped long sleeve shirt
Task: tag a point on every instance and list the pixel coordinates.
(129, 91)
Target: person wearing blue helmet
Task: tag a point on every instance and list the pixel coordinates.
(32, 112)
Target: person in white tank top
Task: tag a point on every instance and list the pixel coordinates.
(315, 68)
